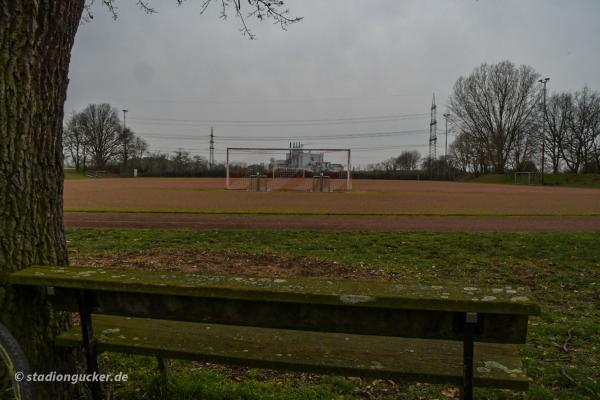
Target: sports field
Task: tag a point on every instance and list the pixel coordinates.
(368, 197)
(542, 238)
(373, 204)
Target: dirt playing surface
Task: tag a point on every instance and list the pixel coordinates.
(338, 222)
(368, 196)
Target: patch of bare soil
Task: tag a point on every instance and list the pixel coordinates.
(231, 263)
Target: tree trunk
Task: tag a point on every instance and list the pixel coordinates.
(36, 38)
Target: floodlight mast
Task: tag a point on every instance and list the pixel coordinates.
(227, 183)
(348, 173)
(544, 82)
(446, 116)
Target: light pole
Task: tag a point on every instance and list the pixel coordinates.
(543, 82)
(446, 116)
(124, 140)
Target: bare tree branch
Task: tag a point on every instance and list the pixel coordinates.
(259, 9)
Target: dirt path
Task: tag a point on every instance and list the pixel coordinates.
(408, 223)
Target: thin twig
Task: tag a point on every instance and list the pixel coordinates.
(569, 337)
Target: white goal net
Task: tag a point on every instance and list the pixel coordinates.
(293, 168)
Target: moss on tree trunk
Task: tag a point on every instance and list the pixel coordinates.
(36, 38)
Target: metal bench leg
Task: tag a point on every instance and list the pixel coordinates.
(89, 343)
(163, 367)
(470, 323)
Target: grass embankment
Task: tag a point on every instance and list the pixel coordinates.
(562, 353)
(331, 213)
(71, 173)
(567, 180)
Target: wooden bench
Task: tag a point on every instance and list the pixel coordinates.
(355, 328)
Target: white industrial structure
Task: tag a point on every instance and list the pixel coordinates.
(298, 170)
(309, 160)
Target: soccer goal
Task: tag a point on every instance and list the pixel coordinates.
(293, 168)
(527, 178)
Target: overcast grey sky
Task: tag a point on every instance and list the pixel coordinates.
(178, 72)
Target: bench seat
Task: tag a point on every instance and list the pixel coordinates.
(423, 360)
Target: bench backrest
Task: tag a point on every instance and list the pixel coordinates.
(353, 307)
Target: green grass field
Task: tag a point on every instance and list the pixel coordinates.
(331, 213)
(568, 180)
(562, 353)
(70, 173)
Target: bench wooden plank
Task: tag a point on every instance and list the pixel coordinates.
(432, 361)
(501, 300)
(424, 324)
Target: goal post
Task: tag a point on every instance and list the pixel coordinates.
(292, 168)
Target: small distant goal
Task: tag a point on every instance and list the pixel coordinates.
(527, 178)
(293, 168)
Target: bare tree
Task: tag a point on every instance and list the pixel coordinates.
(595, 156)
(496, 104)
(138, 148)
(408, 160)
(102, 129)
(181, 161)
(558, 109)
(526, 149)
(388, 165)
(273, 10)
(468, 155)
(582, 132)
(200, 163)
(127, 137)
(461, 153)
(74, 143)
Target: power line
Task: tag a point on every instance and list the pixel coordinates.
(396, 147)
(288, 122)
(316, 137)
(360, 135)
(254, 101)
(368, 148)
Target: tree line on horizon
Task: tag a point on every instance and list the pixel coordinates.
(498, 116)
(502, 124)
(96, 139)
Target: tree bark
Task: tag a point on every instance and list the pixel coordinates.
(36, 38)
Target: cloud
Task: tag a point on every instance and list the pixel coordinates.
(345, 59)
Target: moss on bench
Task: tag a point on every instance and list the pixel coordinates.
(501, 300)
(433, 361)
